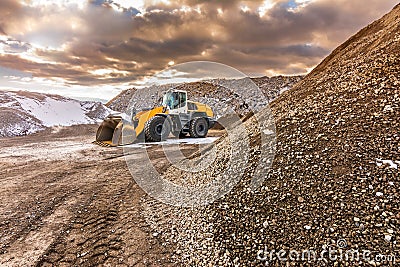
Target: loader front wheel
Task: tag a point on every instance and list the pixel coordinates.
(198, 128)
(157, 129)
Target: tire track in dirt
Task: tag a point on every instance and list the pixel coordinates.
(79, 208)
(36, 206)
(109, 229)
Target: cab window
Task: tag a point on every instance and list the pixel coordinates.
(182, 100)
(175, 100)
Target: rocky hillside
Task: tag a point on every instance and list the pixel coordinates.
(335, 178)
(23, 113)
(121, 102)
(213, 92)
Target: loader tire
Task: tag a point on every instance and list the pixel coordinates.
(157, 129)
(198, 128)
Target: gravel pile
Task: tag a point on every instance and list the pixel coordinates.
(227, 96)
(334, 182)
(274, 86)
(121, 101)
(216, 93)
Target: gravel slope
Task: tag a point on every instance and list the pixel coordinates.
(328, 186)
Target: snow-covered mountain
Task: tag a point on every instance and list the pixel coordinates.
(23, 113)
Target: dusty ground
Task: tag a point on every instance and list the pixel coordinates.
(65, 201)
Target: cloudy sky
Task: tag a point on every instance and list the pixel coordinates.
(94, 49)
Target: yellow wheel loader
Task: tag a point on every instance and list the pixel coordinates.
(176, 115)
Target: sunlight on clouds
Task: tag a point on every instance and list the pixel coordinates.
(57, 86)
(168, 76)
(245, 8)
(267, 5)
(49, 31)
(107, 72)
(297, 65)
(301, 4)
(34, 58)
(184, 9)
(271, 73)
(113, 59)
(293, 68)
(37, 81)
(2, 48)
(77, 24)
(140, 4)
(61, 3)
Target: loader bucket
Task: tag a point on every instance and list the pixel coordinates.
(115, 131)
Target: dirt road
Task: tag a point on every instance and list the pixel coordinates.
(65, 201)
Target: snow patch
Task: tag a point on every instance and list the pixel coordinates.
(392, 165)
(55, 112)
(268, 132)
(56, 129)
(23, 113)
(48, 151)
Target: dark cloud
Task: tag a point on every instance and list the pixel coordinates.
(14, 46)
(287, 39)
(63, 71)
(8, 10)
(40, 69)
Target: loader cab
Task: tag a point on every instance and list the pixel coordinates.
(175, 101)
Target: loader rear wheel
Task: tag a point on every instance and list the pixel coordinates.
(198, 128)
(157, 129)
